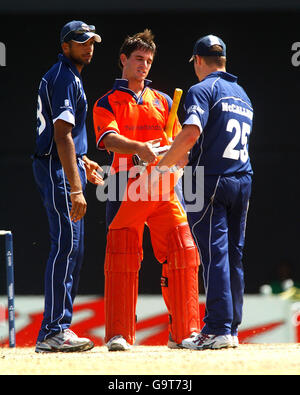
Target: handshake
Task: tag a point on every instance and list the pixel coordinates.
(157, 182)
(137, 161)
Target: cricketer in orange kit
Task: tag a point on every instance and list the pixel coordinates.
(129, 120)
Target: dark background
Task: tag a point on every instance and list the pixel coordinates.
(259, 41)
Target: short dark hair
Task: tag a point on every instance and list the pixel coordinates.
(140, 41)
(217, 60)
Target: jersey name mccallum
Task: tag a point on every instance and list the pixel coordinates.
(237, 109)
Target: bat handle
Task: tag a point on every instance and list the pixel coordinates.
(137, 161)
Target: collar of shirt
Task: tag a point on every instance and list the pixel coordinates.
(122, 84)
(222, 74)
(68, 62)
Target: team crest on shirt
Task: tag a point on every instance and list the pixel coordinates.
(194, 109)
(157, 103)
(66, 104)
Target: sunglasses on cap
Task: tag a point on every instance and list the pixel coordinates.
(82, 30)
(90, 28)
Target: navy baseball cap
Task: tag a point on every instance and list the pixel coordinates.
(79, 32)
(203, 45)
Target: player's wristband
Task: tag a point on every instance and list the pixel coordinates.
(76, 193)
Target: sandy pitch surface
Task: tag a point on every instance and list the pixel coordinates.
(248, 359)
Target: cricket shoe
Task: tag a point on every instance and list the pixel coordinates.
(205, 342)
(66, 341)
(118, 343)
(234, 341)
(175, 346)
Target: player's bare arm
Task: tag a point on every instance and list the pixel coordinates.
(121, 144)
(66, 151)
(182, 144)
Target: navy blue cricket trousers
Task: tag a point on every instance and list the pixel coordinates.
(66, 248)
(219, 232)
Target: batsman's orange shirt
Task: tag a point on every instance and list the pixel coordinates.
(140, 118)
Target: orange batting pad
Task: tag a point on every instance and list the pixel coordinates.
(183, 292)
(122, 264)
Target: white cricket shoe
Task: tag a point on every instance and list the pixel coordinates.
(235, 341)
(204, 342)
(175, 346)
(118, 343)
(66, 341)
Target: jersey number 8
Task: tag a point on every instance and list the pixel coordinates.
(40, 117)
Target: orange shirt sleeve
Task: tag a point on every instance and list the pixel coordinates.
(104, 122)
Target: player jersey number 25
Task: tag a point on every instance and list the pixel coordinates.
(240, 132)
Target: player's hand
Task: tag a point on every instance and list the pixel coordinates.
(93, 171)
(157, 183)
(78, 208)
(145, 150)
